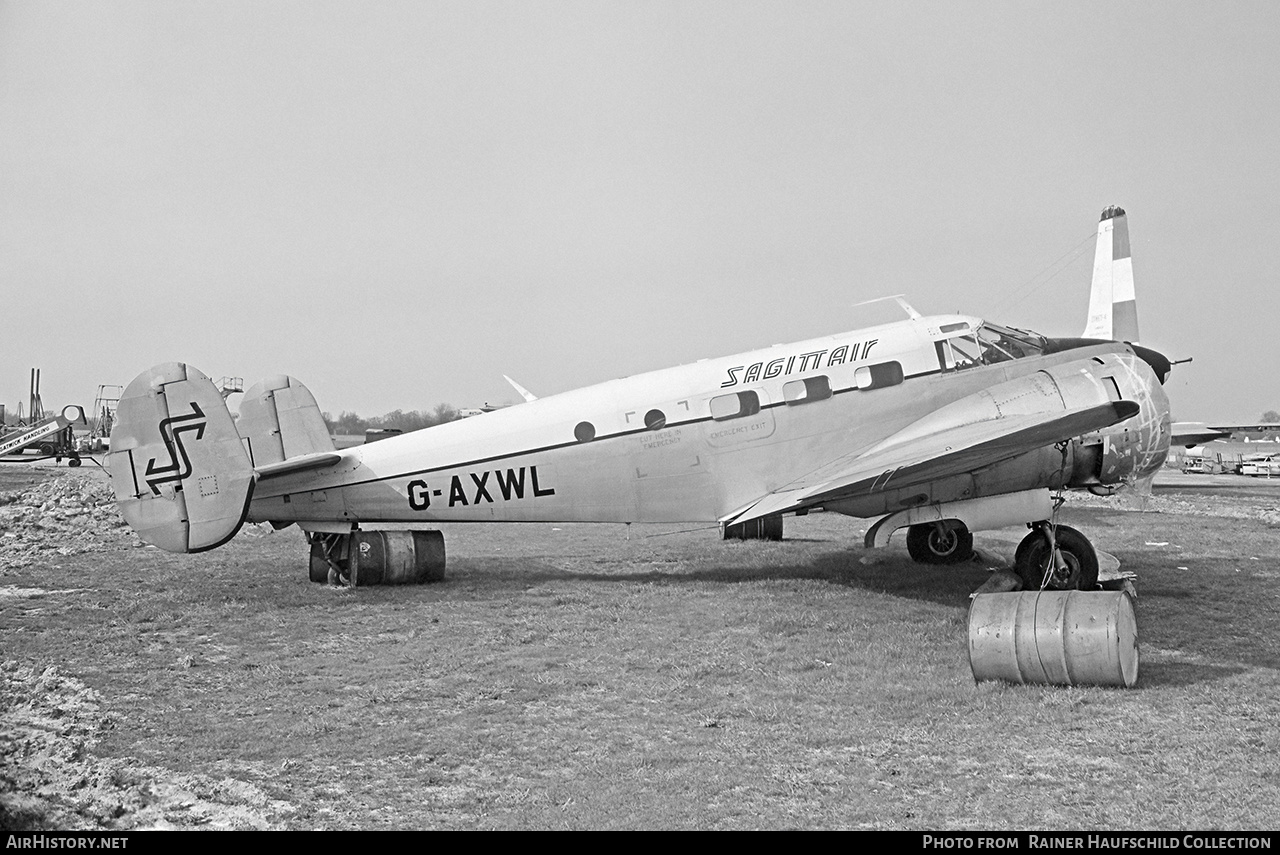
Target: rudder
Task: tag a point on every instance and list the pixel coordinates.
(279, 420)
(180, 474)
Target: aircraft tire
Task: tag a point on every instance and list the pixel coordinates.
(319, 568)
(927, 544)
(1032, 559)
(73, 462)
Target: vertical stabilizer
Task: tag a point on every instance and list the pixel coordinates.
(181, 477)
(1113, 311)
(279, 420)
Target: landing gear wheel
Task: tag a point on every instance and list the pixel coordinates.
(319, 569)
(1033, 561)
(73, 462)
(940, 543)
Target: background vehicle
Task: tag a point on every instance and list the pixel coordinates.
(1262, 465)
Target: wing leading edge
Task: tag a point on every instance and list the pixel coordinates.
(893, 465)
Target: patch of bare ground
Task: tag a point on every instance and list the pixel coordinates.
(591, 677)
(52, 778)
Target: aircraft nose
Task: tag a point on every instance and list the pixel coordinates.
(1159, 363)
(1154, 430)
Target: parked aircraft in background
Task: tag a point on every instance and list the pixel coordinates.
(943, 425)
(1113, 305)
(1113, 314)
(1191, 434)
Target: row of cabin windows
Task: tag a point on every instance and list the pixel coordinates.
(806, 390)
(747, 403)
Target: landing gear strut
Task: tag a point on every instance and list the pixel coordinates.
(328, 558)
(1056, 558)
(945, 542)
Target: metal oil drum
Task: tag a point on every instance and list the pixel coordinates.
(1065, 638)
(396, 557)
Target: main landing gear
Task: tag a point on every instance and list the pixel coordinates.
(1051, 557)
(943, 542)
(1056, 558)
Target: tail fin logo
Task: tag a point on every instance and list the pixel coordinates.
(179, 465)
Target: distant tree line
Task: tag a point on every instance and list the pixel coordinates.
(1271, 416)
(348, 423)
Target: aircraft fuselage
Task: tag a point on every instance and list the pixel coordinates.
(697, 442)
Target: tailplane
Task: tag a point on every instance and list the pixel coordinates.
(1113, 311)
(181, 476)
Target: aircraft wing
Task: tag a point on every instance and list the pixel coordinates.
(1196, 433)
(1257, 427)
(892, 465)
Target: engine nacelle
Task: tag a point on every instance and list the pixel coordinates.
(1123, 452)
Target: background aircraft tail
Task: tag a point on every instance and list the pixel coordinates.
(179, 470)
(1113, 311)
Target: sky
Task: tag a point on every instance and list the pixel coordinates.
(399, 202)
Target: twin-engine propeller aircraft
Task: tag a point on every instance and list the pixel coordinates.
(942, 425)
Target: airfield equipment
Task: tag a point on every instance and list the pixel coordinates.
(228, 386)
(51, 436)
(104, 416)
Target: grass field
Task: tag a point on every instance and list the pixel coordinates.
(572, 677)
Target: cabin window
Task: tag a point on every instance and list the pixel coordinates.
(735, 406)
(806, 390)
(655, 420)
(878, 376)
(584, 432)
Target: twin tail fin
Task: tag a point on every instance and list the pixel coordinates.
(182, 469)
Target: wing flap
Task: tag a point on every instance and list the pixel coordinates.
(939, 455)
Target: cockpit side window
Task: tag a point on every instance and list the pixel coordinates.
(988, 345)
(958, 352)
(1004, 344)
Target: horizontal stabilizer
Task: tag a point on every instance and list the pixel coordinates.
(180, 475)
(299, 464)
